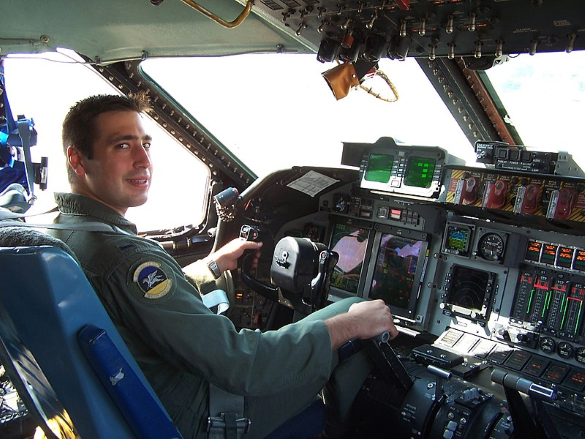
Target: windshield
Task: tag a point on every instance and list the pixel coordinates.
(544, 97)
(277, 111)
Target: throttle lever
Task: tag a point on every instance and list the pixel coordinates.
(387, 362)
(384, 337)
(441, 375)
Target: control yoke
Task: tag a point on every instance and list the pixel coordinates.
(300, 271)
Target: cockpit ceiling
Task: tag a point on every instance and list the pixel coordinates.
(123, 29)
(114, 29)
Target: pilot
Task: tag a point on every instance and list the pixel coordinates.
(181, 346)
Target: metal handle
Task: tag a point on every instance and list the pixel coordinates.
(227, 24)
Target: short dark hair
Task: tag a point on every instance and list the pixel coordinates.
(79, 124)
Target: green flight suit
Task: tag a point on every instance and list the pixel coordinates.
(182, 346)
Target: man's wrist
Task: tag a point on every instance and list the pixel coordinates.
(342, 328)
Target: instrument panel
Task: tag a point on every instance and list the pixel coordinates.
(497, 293)
(503, 283)
(487, 288)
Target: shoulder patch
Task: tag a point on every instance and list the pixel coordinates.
(152, 280)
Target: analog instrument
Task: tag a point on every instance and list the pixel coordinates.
(547, 345)
(565, 349)
(491, 247)
(580, 355)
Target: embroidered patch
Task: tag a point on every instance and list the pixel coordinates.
(152, 280)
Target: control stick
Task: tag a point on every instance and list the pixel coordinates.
(387, 362)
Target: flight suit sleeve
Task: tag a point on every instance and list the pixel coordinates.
(199, 275)
(158, 303)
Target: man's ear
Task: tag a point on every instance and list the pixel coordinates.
(75, 159)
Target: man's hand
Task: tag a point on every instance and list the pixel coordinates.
(227, 256)
(363, 320)
(377, 318)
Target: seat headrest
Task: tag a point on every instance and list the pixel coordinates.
(16, 236)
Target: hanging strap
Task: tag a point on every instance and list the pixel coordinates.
(226, 410)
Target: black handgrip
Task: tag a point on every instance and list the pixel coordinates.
(387, 362)
(268, 291)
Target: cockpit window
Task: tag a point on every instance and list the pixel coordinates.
(277, 111)
(43, 87)
(544, 97)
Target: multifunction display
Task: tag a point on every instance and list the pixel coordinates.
(403, 169)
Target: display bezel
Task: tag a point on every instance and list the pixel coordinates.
(334, 220)
(408, 311)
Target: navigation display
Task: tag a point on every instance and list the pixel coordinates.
(469, 291)
(350, 242)
(469, 288)
(419, 171)
(379, 168)
(397, 272)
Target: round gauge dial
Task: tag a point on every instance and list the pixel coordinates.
(565, 349)
(580, 355)
(491, 247)
(547, 345)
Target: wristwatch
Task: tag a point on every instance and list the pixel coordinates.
(212, 265)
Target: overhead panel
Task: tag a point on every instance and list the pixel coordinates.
(431, 28)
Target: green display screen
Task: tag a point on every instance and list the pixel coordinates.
(419, 172)
(379, 168)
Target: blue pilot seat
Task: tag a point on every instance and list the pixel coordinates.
(50, 315)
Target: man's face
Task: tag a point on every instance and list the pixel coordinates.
(120, 172)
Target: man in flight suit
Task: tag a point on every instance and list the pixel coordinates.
(181, 346)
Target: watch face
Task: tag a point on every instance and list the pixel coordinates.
(214, 269)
